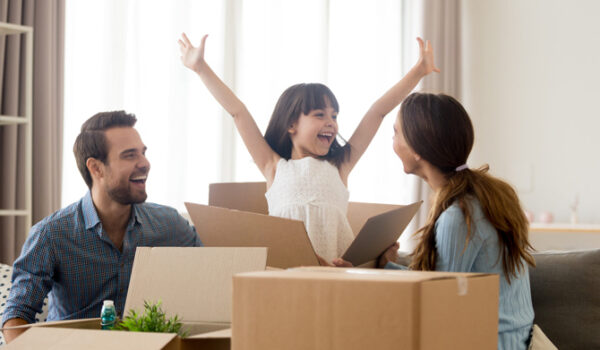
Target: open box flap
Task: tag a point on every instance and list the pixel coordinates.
(193, 283)
(77, 339)
(336, 273)
(244, 196)
(220, 334)
(250, 197)
(380, 232)
(84, 323)
(288, 243)
(360, 212)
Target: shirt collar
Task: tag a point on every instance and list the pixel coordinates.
(90, 215)
(136, 213)
(91, 218)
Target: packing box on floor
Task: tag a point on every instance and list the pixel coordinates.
(193, 283)
(329, 308)
(237, 215)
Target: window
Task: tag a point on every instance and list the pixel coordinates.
(124, 55)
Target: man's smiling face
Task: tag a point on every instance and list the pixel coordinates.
(126, 168)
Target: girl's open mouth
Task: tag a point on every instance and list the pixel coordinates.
(326, 137)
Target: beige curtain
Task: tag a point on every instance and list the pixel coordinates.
(439, 22)
(47, 19)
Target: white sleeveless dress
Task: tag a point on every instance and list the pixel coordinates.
(312, 191)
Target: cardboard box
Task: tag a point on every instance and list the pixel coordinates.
(194, 283)
(237, 215)
(332, 308)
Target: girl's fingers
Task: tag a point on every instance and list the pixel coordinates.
(420, 42)
(186, 40)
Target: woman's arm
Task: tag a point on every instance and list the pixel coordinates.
(265, 158)
(366, 130)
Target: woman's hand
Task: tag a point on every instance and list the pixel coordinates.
(191, 56)
(425, 62)
(391, 254)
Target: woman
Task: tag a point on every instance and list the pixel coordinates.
(476, 223)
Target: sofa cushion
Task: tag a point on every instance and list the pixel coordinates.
(565, 290)
(5, 284)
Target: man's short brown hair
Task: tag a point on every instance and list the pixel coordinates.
(91, 141)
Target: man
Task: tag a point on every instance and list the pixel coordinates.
(83, 254)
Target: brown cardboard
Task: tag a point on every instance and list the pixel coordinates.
(243, 196)
(174, 276)
(237, 216)
(378, 233)
(250, 196)
(288, 243)
(77, 339)
(194, 283)
(328, 308)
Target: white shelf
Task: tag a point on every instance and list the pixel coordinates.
(10, 120)
(564, 227)
(10, 28)
(13, 212)
(25, 35)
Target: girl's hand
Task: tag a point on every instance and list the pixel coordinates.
(324, 262)
(391, 254)
(426, 58)
(192, 57)
(339, 262)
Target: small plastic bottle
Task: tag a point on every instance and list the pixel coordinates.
(108, 314)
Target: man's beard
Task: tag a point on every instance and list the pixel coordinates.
(123, 195)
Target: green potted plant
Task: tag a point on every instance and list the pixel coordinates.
(153, 319)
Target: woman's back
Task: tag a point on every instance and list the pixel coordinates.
(482, 254)
(312, 191)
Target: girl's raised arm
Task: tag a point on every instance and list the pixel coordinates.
(370, 123)
(265, 158)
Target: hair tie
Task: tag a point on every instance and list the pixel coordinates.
(462, 167)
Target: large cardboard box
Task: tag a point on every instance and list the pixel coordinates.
(193, 283)
(344, 309)
(237, 215)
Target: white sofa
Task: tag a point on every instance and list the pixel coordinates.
(5, 283)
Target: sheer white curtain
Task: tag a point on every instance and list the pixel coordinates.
(123, 55)
(354, 47)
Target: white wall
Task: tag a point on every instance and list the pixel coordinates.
(531, 83)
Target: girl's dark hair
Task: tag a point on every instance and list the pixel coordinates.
(439, 130)
(297, 99)
(91, 141)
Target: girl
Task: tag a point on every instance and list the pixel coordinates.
(476, 223)
(306, 169)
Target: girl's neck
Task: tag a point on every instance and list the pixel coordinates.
(300, 155)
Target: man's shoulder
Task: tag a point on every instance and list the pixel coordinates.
(157, 211)
(61, 220)
(162, 219)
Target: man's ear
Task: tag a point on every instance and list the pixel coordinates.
(95, 167)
